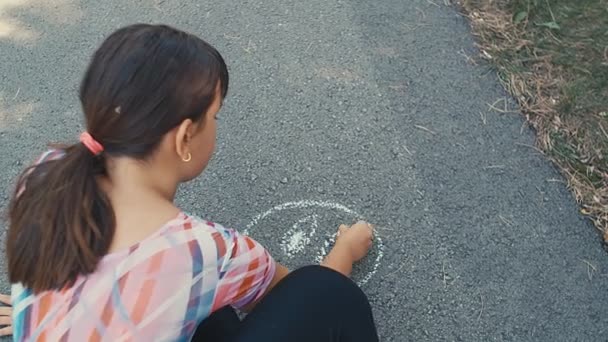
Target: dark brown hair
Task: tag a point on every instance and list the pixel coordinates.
(143, 81)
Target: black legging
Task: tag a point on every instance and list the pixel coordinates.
(313, 303)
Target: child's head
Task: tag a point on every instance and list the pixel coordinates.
(146, 82)
(149, 94)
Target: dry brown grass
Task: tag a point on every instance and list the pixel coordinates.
(558, 75)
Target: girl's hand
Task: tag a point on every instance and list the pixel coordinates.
(357, 239)
(352, 244)
(6, 313)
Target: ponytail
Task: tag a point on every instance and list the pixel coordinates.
(61, 223)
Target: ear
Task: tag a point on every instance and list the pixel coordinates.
(183, 137)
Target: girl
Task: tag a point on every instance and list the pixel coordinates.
(98, 251)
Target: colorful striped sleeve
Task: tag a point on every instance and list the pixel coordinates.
(245, 272)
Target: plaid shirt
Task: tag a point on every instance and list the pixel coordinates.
(159, 289)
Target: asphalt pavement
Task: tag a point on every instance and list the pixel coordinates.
(342, 109)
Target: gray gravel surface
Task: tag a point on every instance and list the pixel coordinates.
(372, 105)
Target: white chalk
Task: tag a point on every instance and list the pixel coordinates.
(296, 239)
(299, 205)
(296, 243)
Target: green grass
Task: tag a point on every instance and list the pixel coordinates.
(575, 34)
(553, 57)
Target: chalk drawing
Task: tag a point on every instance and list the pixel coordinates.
(298, 237)
(327, 244)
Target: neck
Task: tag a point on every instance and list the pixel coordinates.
(133, 179)
(141, 194)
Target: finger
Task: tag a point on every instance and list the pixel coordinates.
(7, 331)
(365, 225)
(6, 320)
(5, 299)
(343, 228)
(6, 311)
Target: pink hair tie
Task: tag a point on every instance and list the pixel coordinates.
(87, 140)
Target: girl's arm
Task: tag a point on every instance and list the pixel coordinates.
(352, 244)
(6, 319)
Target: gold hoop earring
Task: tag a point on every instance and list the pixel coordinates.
(188, 158)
